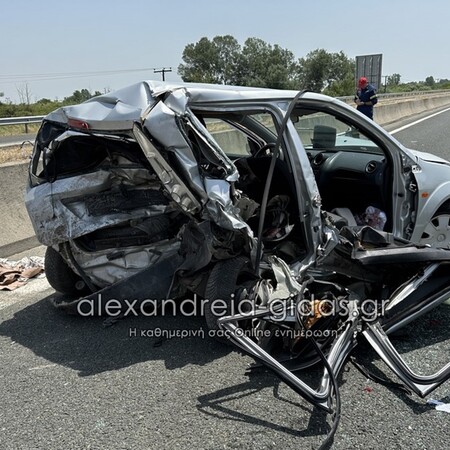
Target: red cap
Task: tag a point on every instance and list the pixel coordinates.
(362, 81)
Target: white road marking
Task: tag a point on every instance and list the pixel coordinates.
(418, 121)
(46, 366)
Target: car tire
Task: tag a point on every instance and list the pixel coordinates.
(222, 284)
(437, 232)
(60, 276)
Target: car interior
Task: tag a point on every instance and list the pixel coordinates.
(352, 172)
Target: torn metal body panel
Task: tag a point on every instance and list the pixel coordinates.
(170, 180)
(58, 218)
(105, 268)
(170, 135)
(155, 189)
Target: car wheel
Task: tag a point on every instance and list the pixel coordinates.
(437, 232)
(60, 276)
(226, 281)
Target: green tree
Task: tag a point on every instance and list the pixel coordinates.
(429, 81)
(79, 96)
(329, 72)
(223, 61)
(43, 101)
(394, 79)
(212, 61)
(264, 65)
(340, 88)
(252, 63)
(313, 70)
(341, 79)
(442, 83)
(228, 50)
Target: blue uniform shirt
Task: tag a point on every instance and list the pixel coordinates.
(368, 94)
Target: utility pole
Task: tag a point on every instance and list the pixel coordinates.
(163, 72)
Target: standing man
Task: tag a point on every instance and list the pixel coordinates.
(365, 97)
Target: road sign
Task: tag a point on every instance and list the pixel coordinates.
(369, 66)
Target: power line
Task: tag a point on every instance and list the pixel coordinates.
(32, 77)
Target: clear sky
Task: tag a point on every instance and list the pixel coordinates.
(58, 46)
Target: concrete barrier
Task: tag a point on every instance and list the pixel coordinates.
(17, 234)
(389, 111)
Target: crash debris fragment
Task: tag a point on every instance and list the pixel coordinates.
(14, 274)
(439, 406)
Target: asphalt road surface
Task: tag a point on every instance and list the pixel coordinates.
(68, 382)
(431, 135)
(6, 141)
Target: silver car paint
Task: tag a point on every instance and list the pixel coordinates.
(159, 106)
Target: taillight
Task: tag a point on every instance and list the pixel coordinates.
(76, 123)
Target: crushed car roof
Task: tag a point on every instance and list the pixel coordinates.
(127, 105)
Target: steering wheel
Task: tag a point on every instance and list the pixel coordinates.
(265, 147)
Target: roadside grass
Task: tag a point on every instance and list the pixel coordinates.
(14, 130)
(16, 154)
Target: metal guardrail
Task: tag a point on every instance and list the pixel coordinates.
(25, 120)
(20, 120)
(401, 94)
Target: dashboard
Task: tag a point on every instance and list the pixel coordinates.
(350, 178)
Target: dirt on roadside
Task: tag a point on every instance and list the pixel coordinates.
(16, 153)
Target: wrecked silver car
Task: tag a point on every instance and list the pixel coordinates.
(310, 223)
